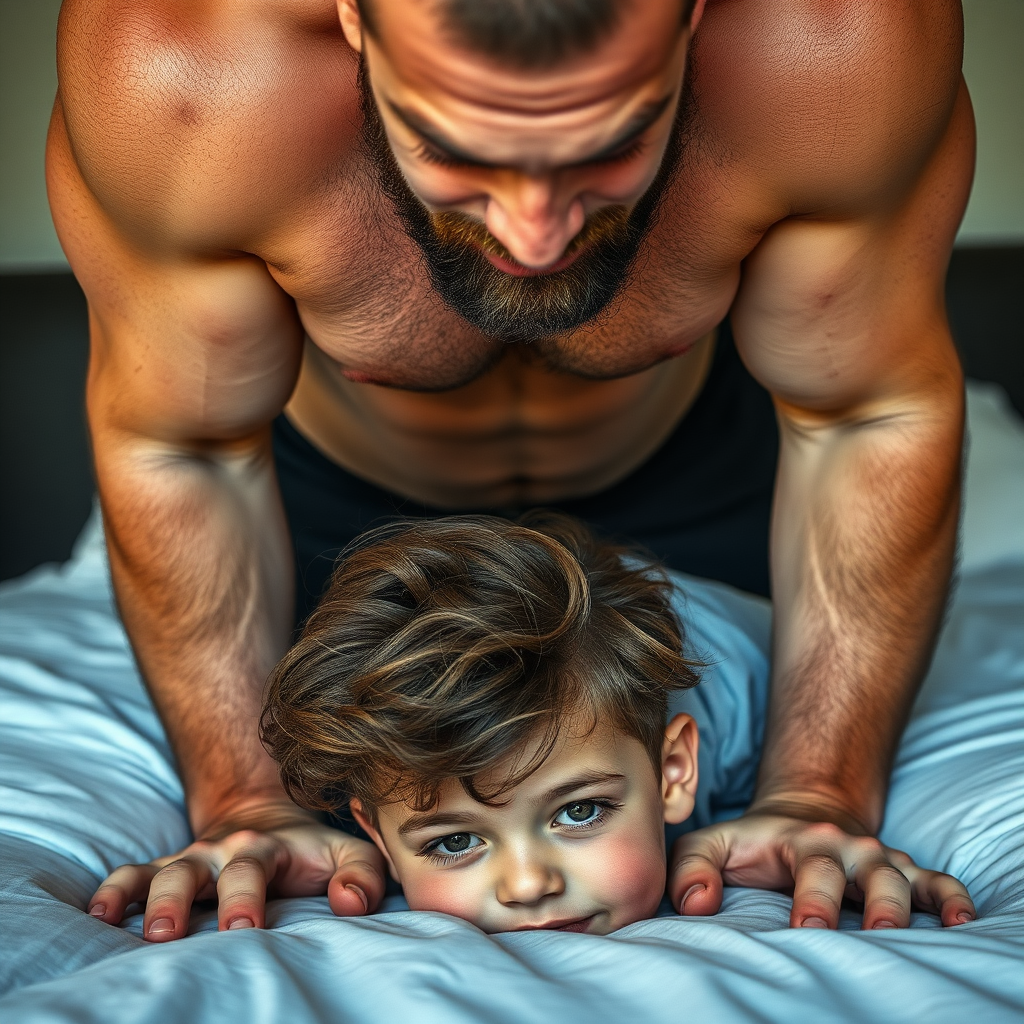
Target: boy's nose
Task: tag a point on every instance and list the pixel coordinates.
(527, 880)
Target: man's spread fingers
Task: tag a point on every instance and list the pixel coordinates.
(695, 876)
(357, 886)
(697, 888)
(127, 885)
(885, 888)
(171, 895)
(242, 885)
(943, 895)
(935, 892)
(820, 882)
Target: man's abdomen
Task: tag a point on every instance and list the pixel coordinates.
(701, 501)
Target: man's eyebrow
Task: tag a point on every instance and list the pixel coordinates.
(426, 131)
(635, 127)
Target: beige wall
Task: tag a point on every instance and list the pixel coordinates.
(994, 69)
(993, 66)
(28, 81)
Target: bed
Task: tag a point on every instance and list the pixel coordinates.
(87, 782)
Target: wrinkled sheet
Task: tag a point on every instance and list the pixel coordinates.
(87, 782)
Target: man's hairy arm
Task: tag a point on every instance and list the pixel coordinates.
(841, 316)
(194, 350)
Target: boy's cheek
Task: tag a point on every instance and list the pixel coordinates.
(443, 891)
(628, 877)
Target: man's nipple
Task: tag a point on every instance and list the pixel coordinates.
(359, 377)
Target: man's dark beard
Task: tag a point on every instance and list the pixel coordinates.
(504, 305)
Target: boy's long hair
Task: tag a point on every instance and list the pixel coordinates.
(444, 648)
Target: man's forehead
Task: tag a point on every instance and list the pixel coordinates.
(504, 115)
(422, 59)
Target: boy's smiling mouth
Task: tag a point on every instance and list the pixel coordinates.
(575, 924)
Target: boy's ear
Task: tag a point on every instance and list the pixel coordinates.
(679, 768)
(355, 805)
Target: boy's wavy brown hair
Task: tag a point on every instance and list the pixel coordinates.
(446, 647)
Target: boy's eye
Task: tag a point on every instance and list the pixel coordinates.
(581, 813)
(455, 844)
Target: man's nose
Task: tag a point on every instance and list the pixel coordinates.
(526, 878)
(532, 219)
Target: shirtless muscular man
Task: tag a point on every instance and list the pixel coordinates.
(346, 260)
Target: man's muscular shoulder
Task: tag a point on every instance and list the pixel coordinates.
(832, 105)
(197, 124)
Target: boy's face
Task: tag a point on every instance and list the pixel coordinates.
(577, 846)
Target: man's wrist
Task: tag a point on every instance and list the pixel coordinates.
(262, 810)
(816, 805)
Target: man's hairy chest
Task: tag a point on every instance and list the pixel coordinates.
(363, 291)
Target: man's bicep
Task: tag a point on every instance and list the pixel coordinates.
(185, 347)
(836, 313)
(187, 352)
(831, 320)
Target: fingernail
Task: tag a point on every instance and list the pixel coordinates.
(98, 911)
(814, 922)
(882, 924)
(362, 896)
(963, 917)
(161, 926)
(240, 922)
(693, 890)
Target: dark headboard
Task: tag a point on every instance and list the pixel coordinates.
(45, 478)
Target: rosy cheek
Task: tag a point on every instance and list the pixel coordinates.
(626, 876)
(449, 892)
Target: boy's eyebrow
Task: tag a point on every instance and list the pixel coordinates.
(428, 819)
(582, 782)
(637, 125)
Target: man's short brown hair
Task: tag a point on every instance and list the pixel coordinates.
(528, 34)
(444, 646)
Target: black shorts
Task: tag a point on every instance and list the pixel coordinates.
(701, 502)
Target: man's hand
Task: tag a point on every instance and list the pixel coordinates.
(283, 852)
(820, 862)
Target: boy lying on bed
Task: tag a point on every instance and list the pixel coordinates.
(467, 649)
(490, 699)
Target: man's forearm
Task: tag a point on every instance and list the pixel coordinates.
(203, 576)
(863, 544)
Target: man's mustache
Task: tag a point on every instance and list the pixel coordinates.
(609, 224)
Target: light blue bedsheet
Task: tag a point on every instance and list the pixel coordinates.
(86, 783)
